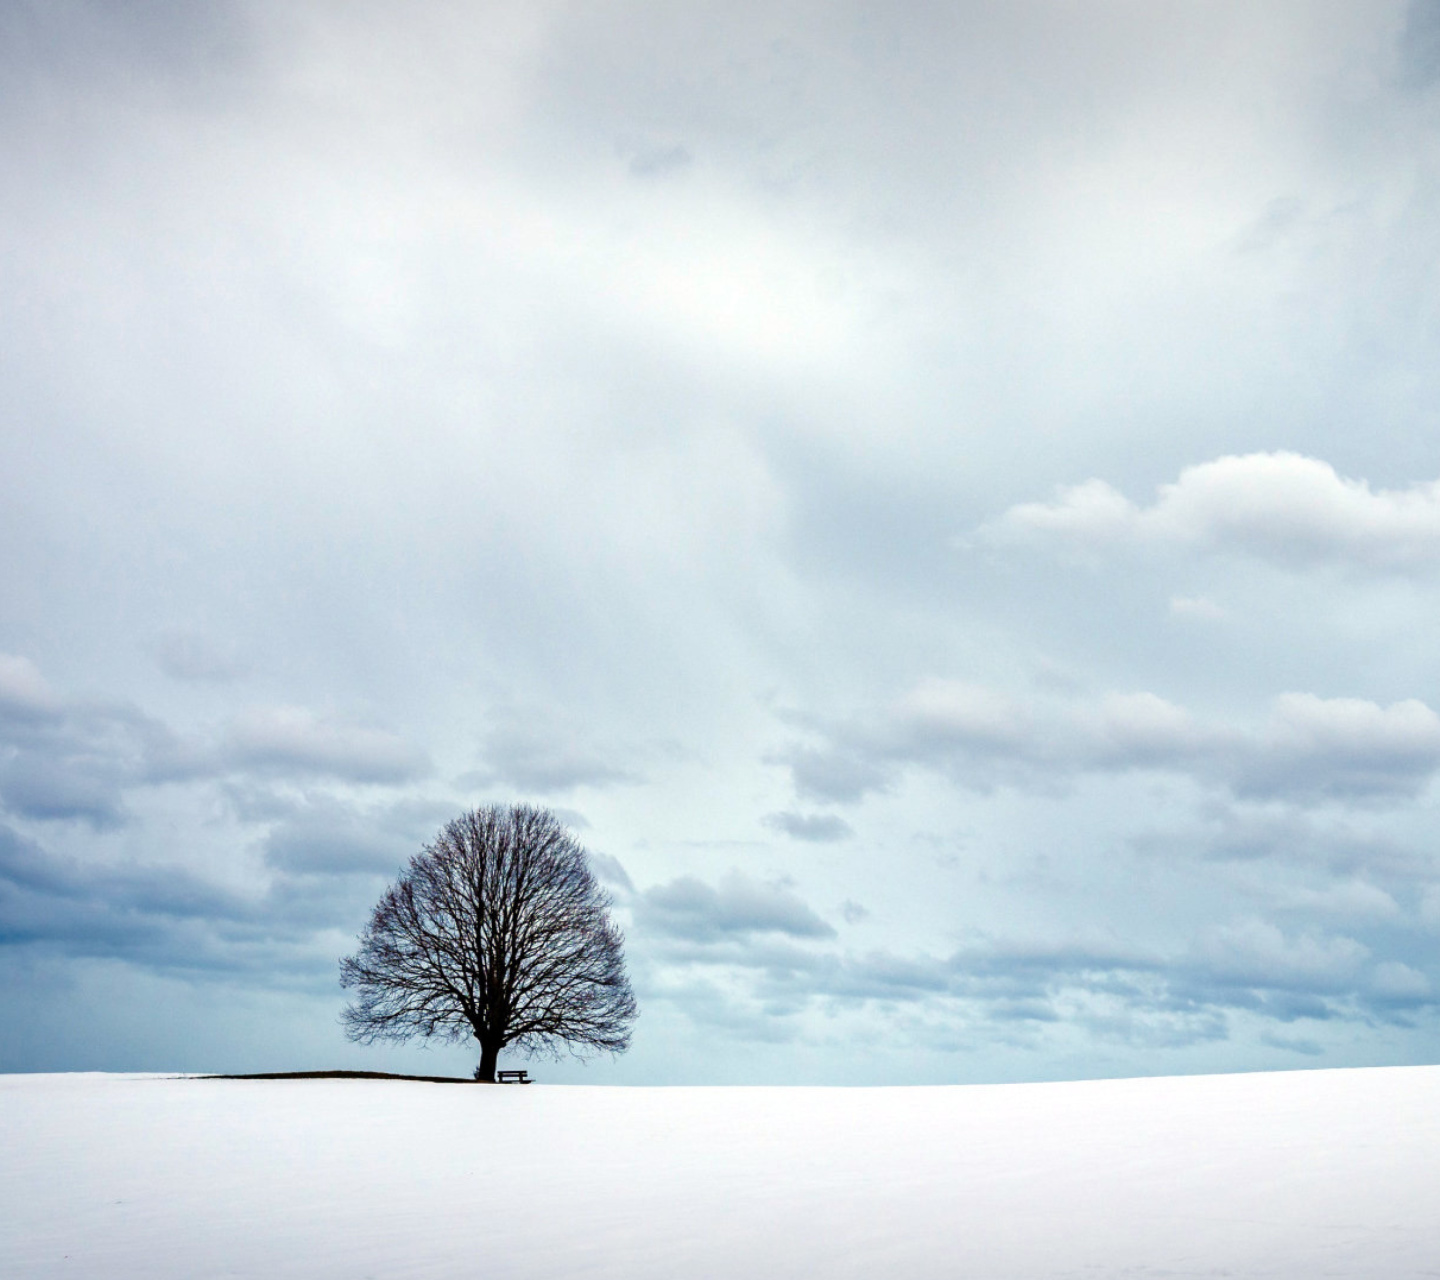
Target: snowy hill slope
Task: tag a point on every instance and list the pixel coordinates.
(1304, 1174)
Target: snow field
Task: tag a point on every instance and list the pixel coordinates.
(1299, 1174)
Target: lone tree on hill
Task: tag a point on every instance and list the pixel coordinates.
(497, 930)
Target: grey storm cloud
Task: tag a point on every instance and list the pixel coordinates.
(64, 760)
(158, 915)
(171, 919)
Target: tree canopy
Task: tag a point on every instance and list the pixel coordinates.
(498, 930)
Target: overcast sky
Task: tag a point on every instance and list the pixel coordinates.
(942, 498)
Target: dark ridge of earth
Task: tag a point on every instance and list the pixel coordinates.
(338, 1075)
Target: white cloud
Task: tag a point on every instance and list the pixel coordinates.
(1307, 747)
(1138, 728)
(295, 739)
(1201, 607)
(1091, 512)
(23, 689)
(1348, 900)
(1278, 506)
(948, 710)
(1257, 953)
(1342, 746)
(1395, 980)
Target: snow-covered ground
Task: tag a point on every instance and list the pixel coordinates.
(1303, 1174)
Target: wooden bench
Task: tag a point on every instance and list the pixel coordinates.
(513, 1077)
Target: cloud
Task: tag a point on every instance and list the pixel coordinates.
(120, 889)
(62, 787)
(1340, 747)
(1356, 900)
(1256, 954)
(23, 690)
(310, 831)
(996, 987)
(1136, 730)
(188, 655)
(1293, 1044)
(837, 772)
(690, 909)
(65, 759)
(1430, 906)
(1283, 507)
(158, 915)
(1354, 845)
(948, 711)
(816, 828)
(611, 873)
(295, 740)
(540, 759)
(280, 931)
(336, 847)
(166, 41)
(657, 159)
(1201, 607)
(1420, 45)
(1308, 747)
(1396, 983)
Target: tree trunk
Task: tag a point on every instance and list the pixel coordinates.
(489, 1054)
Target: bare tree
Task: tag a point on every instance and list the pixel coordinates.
(497, 930)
